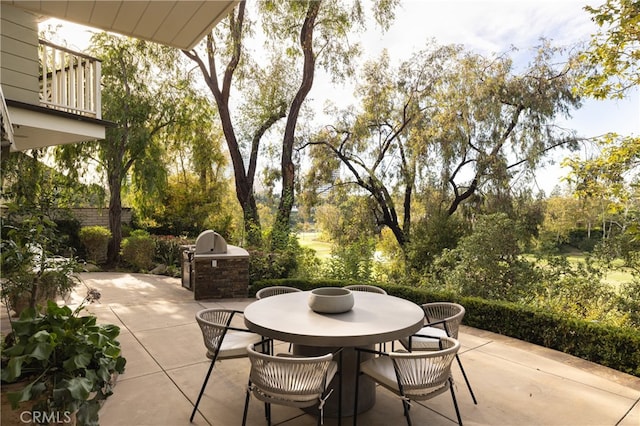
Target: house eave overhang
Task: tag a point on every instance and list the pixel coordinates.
(37, 127)
(177, 23)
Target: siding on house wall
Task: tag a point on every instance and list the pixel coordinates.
(19, 69)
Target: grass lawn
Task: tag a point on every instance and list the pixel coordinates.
(310, 240)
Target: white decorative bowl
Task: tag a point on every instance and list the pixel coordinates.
(330, 300)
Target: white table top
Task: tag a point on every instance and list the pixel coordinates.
(375, 318)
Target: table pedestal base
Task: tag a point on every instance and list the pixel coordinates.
(366, 389)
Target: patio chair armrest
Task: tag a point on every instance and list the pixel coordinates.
(230, 327)
(371, 351)
(429, 324)
(429, 336)
(337, 351)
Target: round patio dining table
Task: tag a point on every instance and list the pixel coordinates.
(374, 318)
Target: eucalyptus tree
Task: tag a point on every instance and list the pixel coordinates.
(382, 144)
(142, 92)
(447, 119)
(299, 36)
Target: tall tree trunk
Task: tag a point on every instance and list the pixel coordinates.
(115, 218)
(281, 226)
(243, 179)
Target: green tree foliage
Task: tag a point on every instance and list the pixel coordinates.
(562, 213)
(144, 92)
(187, 208)
(446, 120)
(613, 170)
(301, 36)
(613, 174)
(431, 236)
(345, 218)
(29, 182)
(352, 261)
(488, 263)
(196, 193)
(614, 53)
(612, 179)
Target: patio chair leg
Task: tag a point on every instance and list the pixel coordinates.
(204, 385)
(406, 407)
(246, 404)
(355, 402)
(466, 380)
(340, 389)
(267, 410)
(455, 402)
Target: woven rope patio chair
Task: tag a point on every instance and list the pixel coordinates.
(222, 340)
(414, 376)
(369, 289)
(365, 287)
(441, 319)
(290, 380)
(274, 291)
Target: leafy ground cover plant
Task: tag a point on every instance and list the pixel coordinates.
(68, 362)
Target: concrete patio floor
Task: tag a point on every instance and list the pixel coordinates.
(516, 383)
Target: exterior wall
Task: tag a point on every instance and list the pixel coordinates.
(90, 216)
(98, 217)
(19, 70)
(228, 279)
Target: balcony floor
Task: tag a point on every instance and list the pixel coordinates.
(516, 383)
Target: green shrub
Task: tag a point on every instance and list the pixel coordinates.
(271, 265)
(32, 271)
(488, 262)
(95, 240)
(138, 250)
(268, 262)
(169, 249)
(352, 261)
(614, 347)
(430, 236)
(578, 289)
(69, 230)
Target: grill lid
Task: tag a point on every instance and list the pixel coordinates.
(210, 242)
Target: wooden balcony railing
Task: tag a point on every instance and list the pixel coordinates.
(69, 81)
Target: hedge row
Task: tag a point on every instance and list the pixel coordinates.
(614, 347)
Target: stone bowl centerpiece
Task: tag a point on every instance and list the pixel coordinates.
(330, 300)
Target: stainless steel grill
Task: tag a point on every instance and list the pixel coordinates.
(210, 242)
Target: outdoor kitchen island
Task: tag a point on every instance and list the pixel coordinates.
(213, 269)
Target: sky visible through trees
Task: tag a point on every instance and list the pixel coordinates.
(493, 28)
(487, 27)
